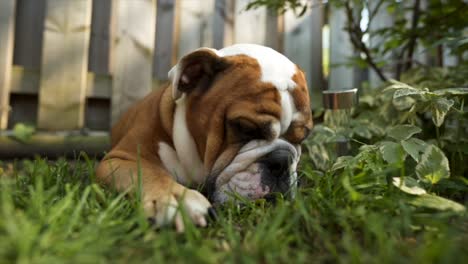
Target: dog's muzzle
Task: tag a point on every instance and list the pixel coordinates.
(259, 169)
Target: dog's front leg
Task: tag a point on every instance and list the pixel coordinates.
(163, 198)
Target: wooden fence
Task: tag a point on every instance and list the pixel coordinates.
(77, 65)
(73, 64)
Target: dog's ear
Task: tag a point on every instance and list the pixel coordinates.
(195, 70)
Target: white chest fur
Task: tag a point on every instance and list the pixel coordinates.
(184, 160)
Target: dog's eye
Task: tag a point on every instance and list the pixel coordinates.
(245, 129)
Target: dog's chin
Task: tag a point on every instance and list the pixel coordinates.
(250, 184)
(247, 184)
(250, 174)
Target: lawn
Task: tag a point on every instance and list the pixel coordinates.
(54, 212)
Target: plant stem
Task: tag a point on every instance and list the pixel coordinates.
(438, 136)
(413, 34)
(355, 34)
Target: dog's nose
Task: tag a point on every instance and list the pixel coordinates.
(278, 162)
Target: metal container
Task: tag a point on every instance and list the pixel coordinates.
(340, 99)
(338, 106)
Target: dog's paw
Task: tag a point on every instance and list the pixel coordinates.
(166, 209)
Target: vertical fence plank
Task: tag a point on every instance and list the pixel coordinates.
(341, 76)
(133, 54)
(28, 33)
(223, 23)
(64, 64)
(102, 31)
(195, 27)
(299, 41)
(7, 21)
(274, 37)
(382, 19)
(316, 82)
(250, 26)
(164, 41)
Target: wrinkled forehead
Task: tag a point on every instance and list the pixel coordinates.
(284, 75)
(275, 67)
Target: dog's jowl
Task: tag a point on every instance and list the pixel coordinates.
(231, 120)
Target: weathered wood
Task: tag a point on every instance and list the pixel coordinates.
(98, 86)
(223, 23)
(133, 54)
(381, 20)
(195, 27)
(23, 109)
(341, 49)
(249, 27)
(303, 45)
(64, 64)
(164, 38)
(26, 81)
(97, 114)
(102, 31)
(298, 41)
(7, 23)
(28, 33)
(275, 31)
(316, 82)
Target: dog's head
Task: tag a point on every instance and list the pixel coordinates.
(241, 113)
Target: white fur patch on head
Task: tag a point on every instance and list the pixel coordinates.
(275, 67)
(277, 70)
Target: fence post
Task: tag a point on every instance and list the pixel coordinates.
(316, 55)
(341, 76)
(64, 64)
(195, 27)
(164, 39)
(133, 54)
(382, 19)
(7, 23)
(250, 27)
(223, 23)
(102, 33)
(274, 37)
(29, 30)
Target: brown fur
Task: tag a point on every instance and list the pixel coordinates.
(235, 95)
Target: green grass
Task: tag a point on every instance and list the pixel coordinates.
(53, 212)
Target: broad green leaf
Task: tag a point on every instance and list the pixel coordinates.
(406, 92)
(438, 203)
(433, 166)
(408, 185)
(341, 162)
(362, 131)
(452, 91)
(320, 157)
(395, 85)
(392, 152)
(414, 147)
(323, 134)
(439, 109)
(403, 132)
(403, 103)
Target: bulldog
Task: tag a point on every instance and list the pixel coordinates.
(230, 120)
